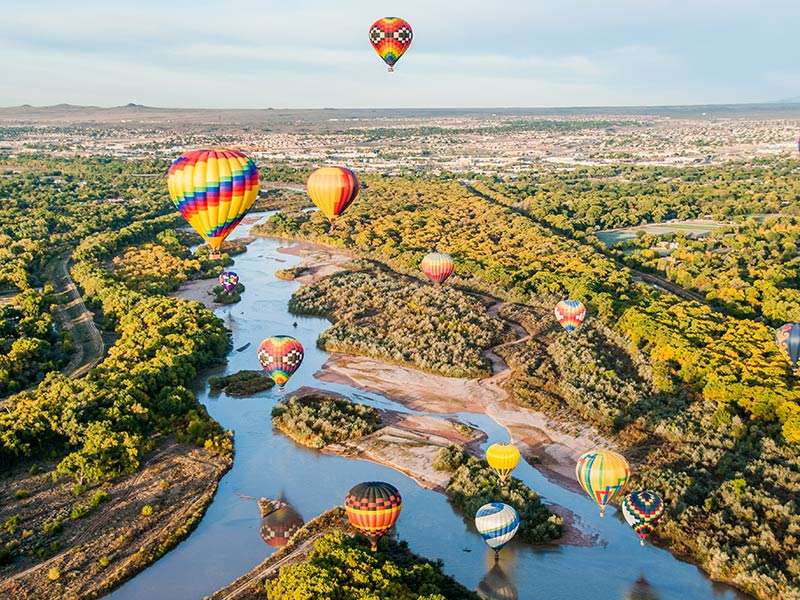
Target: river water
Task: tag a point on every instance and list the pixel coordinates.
(227, 543)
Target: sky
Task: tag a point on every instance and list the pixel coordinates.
(465, 53)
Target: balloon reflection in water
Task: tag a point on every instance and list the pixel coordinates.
(280, 524)
(496, 585)
(641, 590)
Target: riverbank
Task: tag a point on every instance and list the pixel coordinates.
(119, 537)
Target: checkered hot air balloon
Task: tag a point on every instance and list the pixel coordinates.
(373, 508)
(788, 339)
(642, 510)
(497, 523)
(437, 267)
(280, 356)
(570, 314)
(602, 475)
(503, 458)
(213, 190)
(280, 525)
(228, 280)
(332, 189)
(391, 37)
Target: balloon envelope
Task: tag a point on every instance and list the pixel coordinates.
(213, 190)
(280, 356)
(332, 189)
(503, 458)
(570, 314)
(228, 280)
(788, 339)
(602, 474)
(391, 37)
(642, 510)
(497, 523)
(280, 525)
(437, 267)
(373, 508)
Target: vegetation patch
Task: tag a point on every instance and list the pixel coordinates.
(393, 572)
(473, 484)
(401, 320)
(243, 383)
(316, 420)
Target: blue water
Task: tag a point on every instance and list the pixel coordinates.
(227, 542)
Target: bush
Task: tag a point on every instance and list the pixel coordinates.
(147, 510)
(53, 574)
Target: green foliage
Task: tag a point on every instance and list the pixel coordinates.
(473, 484)
(401, 320)
(243, 383)
(53, 574)
(147, 510)
(102, 422)
(344, 568)
(317, 420)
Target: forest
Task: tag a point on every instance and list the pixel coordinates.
(100, 426)
(703, 400)
(401, 320)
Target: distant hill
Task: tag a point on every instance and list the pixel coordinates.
(291, 118)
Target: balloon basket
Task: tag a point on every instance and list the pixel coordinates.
(391, 69)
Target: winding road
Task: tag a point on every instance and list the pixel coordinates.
(73, 316)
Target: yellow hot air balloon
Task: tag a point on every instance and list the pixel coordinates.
(503, 458)
(332, 189)
(213, 190)
(602, 474)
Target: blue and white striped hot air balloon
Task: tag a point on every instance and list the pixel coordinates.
(497, 523)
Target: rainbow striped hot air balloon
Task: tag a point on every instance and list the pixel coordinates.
(213, 190)
(642, 510)
(373, 508)
(437, 267)
(503, 458)
(788, 339)
(280, 356)
(228, 280)
(497, 523)
(602, 474)
(332, 189)
(391, 37)
(570, 314)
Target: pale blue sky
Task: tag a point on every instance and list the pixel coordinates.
(241, 53)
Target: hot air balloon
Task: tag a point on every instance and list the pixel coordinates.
(437, 267)
(280, 525)
(280, 356)
(570, 314)
(497, 523)
(332, 189)
(788, 339)
(642, 510)
(373, 508)
(503, 458)
(228, 280)
(213, 190)
(602, 474)
(391, 37)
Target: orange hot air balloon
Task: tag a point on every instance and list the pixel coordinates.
(332, 189)
(437, 267)
(373, 508)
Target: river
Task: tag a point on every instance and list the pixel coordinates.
(227, 543)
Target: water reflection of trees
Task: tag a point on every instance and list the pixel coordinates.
(496, 585)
